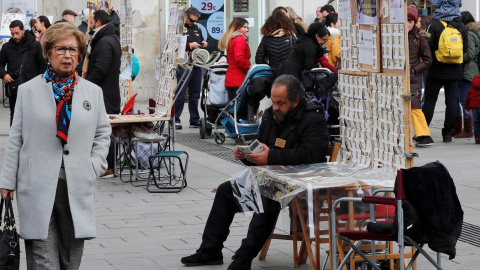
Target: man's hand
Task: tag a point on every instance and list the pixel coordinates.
(7, 78)
(468, 111)
(204, 44)
(195, 45)
(5, 192)
(239, 155)
(259, 158)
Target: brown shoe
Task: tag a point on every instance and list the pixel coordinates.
(458, 126)
(108, 174)
(467, 129)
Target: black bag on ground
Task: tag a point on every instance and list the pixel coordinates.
(9, 239)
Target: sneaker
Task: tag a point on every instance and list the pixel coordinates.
(195, 125)
(203, 258)
(108, 174)
(178, 126)
(423, 141)
(240, 263)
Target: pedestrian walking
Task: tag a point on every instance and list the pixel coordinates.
(470, 70)
(422, 24)
(234, 41)
(56, 149)
(445, 71)
(42, 24)
(418, 49)
(472, 106)
(277, 41)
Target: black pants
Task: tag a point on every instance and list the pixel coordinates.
(12, 99)
(432, 89)
(111, 154)
(232, 92)
(221, 217)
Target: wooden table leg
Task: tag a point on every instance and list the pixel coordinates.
(308, 243)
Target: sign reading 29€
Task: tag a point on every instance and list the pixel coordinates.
(212, 18)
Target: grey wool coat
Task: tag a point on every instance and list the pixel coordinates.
(34, 156)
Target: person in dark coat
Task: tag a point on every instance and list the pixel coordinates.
(278, 40)
(443, 74)
(103, 59)
(22, 55)
(293, 131)
(472, 105)
(306, 51)
(418, 49)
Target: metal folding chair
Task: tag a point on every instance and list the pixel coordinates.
(175, 179)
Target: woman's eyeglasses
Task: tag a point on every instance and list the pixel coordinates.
(59, 49)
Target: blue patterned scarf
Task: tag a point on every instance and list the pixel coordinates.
(63, 93)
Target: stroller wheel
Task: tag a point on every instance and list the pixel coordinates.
(239, 139)
(220, 138)
(202, 128)
(208, 129)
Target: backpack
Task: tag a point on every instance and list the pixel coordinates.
(450, 45)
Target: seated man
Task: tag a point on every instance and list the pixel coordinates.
(293, 131)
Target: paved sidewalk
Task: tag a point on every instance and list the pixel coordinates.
(139, 230)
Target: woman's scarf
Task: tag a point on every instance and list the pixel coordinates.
(63, 93)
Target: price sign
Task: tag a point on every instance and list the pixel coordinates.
(215, 25)
(208, 6)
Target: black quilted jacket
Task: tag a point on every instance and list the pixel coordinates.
(274, 50)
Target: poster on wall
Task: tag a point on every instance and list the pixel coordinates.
(19, 6)
(211, 21)
(397, 11)
(7, 18)
(344, 9)
(367, 11)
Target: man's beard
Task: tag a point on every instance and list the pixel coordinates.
(281, 118)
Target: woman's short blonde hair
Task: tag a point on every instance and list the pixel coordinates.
(60, 31)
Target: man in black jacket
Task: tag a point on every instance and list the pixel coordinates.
(293, 131)
(22, 55)
(103, 68)
(443, 74)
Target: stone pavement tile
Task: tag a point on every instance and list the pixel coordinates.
(96, 264)
(132, 262)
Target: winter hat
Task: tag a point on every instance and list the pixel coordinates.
(446, 10)
(84, 14)
(412, 13)
(475, 83)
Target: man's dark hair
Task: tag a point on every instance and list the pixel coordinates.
(331, 18)
(294, 89)
(16, 23)
(102, 16)
(467, 17)
(328, 8)
(192, 11)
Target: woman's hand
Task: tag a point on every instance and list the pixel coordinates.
(5, 192)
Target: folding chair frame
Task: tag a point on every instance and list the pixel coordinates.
(401, 237)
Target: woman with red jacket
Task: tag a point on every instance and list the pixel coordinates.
(238, 54)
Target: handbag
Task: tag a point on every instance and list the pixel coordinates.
(9, 239)
(17, 76)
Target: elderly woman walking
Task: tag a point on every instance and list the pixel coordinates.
(57, 148)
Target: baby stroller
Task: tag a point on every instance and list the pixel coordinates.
(238, 116)
(214, 97)
(320, 85)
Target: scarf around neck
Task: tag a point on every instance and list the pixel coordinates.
(63, 93)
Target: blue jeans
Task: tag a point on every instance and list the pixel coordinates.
(476, 122)
(463, 88)
(194, 84)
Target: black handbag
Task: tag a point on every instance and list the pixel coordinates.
(9, 239)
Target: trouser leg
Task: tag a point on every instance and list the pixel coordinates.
(60, 250)
(111, 154)
(463, 89)
(220, 218)
(451, 103)
(12, 99)
(232, 93)
(194, 88)
(259, 229)
(432, 89)
(419, 123)
(476, 124)
(180, 94)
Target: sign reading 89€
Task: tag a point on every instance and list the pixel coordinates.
(212, 19)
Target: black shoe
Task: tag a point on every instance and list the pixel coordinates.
(240, 263)
(195, 125)
(178, 126)
(203, 258)
(423, 141)
(447, 135)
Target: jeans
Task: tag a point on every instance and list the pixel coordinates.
(432, 89)
(194, 84)
(476, 122)
(463, 86)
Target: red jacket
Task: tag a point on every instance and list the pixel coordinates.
(324, 62)
(473, 95)
(238, 58)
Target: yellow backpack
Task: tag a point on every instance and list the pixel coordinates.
(450, 46)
